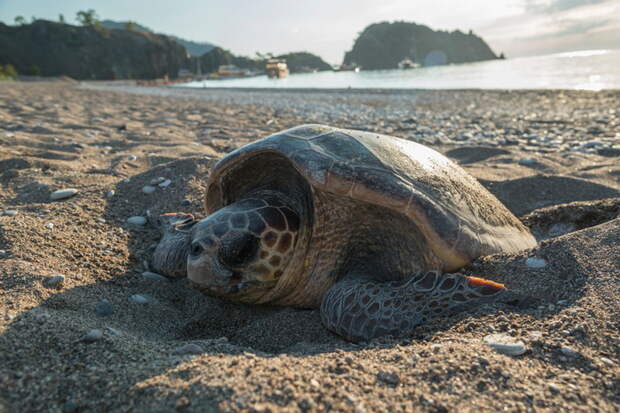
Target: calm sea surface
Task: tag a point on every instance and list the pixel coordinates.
(587, 69)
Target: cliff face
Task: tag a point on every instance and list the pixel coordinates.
(384, 45)
(54, 49)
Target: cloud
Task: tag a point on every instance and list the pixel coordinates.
(558, 5)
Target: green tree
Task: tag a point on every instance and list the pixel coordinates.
(61, 18)
(87, 17)
(20, 21)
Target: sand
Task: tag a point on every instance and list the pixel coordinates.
(551, 156)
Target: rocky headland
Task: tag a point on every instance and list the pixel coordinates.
(46, 48)
(385, 45)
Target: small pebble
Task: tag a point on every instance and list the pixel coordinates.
(63, 194)
(9, 213)
(103, 308)
(534, 262)
(388, 378)
(55, 281)
(137, 220)
(165, 183)
(569, 352)
(49, 225)
(139, 299)
(132, 157)
(153, 276)
(93, 335)
(187, 349)
(505, 344)
(527, 161)
(114, 331)
(157, 181)
(148, 189)
(553, 388)
(607, 361)
(3, 253)
(110, 194)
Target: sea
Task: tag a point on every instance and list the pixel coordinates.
(580, 70)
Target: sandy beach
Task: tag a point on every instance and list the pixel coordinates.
(106, 337)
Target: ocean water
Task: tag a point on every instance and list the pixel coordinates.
(586, 70)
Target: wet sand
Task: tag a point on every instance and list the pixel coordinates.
(553, 157)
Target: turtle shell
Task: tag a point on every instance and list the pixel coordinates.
(458, 217)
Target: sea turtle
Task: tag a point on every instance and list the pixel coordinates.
(366, 227)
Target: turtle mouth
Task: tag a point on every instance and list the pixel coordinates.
(236, 286)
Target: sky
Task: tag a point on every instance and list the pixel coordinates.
(329, 28)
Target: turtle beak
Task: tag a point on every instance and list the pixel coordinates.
(205, 271)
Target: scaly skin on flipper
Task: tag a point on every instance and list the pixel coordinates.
(362, 309)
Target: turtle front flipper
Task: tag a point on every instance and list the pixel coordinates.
(170, 256)
(361, 309)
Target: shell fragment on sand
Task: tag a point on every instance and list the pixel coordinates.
(505, 344)
(63, 194)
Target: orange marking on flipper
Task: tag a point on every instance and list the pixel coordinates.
(481, 282)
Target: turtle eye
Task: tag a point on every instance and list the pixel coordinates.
(195, 249)
(239, 251)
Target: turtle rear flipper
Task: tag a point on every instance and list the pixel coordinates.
(362, 309)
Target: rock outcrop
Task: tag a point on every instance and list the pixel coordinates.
(46, 48)
(384, 45)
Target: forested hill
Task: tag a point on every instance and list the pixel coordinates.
(384, 45)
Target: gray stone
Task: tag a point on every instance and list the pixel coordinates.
(9, 213)
(140, 299)
(132, 157)
(104, 308)
(165, 183)
(148, 189)
(535, 262)
(63, 194)
(110, 194)
(136, 220)
(188, 349)
(55, 281)
(158, 180)
(569, 352)
(505, 344)
(154, 276)
(527, 161)
(93, 335)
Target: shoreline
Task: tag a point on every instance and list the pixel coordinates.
(86, 343)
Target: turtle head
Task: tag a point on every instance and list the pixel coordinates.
(242, 250)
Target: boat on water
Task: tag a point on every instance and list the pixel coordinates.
(407, 63)
(276, 68)
(349, 68)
